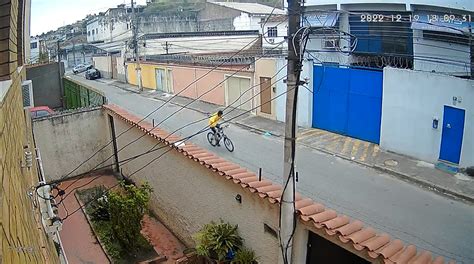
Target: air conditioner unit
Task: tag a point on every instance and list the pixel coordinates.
(27, 91)
(330, 43)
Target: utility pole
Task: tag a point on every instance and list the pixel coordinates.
(166, 46)
(287, 209)
(59, 57)
(135, 47)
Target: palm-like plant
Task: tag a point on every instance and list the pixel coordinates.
(245, 256)
(216, 240)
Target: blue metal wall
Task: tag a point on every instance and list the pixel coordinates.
(348, 101)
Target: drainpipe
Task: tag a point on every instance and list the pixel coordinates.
(46, 209)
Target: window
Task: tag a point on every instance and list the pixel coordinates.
(88, 33)
(446, 37)
(41, 113)
(34, 45)
(272, 32)
(382, 37)
(93, 31)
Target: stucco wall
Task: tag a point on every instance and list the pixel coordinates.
(47, 84)
(104, 65)
(266, 68)
(66, 140)
(187, 195)
(183, 76)
(121, 74)
(305, 96)
(410, 102)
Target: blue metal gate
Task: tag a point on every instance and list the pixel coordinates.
(348, 101)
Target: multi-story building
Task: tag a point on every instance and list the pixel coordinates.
(408, 34)
(35, 50)
(392, 73)
(114, 24)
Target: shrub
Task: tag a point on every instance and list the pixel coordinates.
(126, 209)
(217, 240)
(245, 256)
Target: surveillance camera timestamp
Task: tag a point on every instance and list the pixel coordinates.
(430, 18)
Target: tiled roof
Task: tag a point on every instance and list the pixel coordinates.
(347, 231)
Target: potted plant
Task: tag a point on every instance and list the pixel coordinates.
(218, 242)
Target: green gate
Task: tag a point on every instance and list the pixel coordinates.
(79, 96)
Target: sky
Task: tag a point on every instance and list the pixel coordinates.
(48, 15)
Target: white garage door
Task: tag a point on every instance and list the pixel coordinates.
(238, 93)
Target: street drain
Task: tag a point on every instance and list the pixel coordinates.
(391, 163)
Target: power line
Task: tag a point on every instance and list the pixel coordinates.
(158, 108)
(151, 149)
(172, 146)
(171, 98)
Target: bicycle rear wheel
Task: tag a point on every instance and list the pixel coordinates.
(228, 144)
(212, 139)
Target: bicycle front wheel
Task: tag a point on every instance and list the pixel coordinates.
(228, 144)
(212, 139)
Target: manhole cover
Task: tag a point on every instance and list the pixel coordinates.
(391, 163)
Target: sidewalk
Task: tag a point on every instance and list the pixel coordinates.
(421, 173)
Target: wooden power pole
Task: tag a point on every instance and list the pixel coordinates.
(287, 209)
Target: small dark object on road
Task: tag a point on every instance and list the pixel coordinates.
(470, 171)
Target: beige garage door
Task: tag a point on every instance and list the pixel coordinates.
(238, 93)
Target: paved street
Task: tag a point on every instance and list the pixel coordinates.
(414, 215)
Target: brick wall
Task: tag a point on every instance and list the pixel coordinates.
(23, 239)
(8, 38)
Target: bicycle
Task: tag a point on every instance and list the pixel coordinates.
(214, 139)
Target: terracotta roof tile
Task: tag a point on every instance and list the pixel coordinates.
(361, 235)
(374, 243)
(347, 231)
(257, 184)
(349, 228)
(390, 249)
(404, 255)
(303, 203)
(424, 257)
(311, 210)
(336, 222)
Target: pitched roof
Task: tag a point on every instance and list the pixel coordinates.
(346, 231)
(251, 8)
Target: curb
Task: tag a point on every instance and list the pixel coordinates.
(436, 188)
(425, 184)
(405, 177)
(89, 221)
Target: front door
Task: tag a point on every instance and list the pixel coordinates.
(161, 82)
(453, 130)
(265, 95)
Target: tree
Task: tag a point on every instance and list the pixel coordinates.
(126, 209)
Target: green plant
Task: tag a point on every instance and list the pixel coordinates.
(245, 256)
(216, 240)
(126, 209)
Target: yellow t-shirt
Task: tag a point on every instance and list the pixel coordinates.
(214, 120)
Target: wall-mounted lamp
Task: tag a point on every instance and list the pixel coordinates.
(238, 198)
(435, 122)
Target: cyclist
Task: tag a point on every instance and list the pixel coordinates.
(214, 123)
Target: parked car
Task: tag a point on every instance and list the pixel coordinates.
(81, 68)
(92, 74)
(40, 111)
